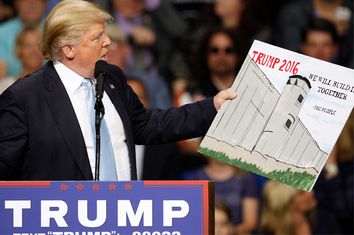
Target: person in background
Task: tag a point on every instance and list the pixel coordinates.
(28, 52)
(295, 17)
(118, 54)
(286, 210)
(30, 13)
(154, 30)
(238, 189)
(334, 189)
(320, 40)
(247, 17)
(214, 69)
(223, 224)
(217, 61)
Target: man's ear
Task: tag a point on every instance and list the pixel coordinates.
(68, 52)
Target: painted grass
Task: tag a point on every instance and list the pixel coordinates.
(299, 180)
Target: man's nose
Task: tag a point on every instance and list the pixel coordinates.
(107, 41)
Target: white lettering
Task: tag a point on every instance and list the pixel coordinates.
(17, 206)
(83, 214)
(58, 215)
(170, 214)
(125, 210)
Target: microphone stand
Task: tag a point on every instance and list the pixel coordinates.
(98, 118)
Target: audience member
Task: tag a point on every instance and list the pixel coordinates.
(153, 40)
(296, 16)
(30, 13)
(217, 61)
(223, 224)
(28, 52)
(245, 16)
(118, 54)
(286, 210)
(320, 40)
(193, 12)
(335, 186)
(215, 68)
(238, 189)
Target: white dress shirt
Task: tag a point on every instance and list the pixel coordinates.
(72, 83)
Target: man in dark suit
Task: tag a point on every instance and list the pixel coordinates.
(44, 120)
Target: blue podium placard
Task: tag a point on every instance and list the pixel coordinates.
(106, 208)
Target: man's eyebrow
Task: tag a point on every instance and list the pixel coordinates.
(98, 34)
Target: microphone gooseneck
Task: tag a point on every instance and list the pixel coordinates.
(100, 75)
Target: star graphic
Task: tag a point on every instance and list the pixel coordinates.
(111, 187)
(96, 187)
(128, 186)
(79, 187)
(64, 187)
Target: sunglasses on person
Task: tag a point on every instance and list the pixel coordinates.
(216, 50)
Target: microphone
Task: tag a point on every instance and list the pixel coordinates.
(100, 75)
(100, 67)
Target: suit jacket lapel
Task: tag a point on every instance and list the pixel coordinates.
(64, 115)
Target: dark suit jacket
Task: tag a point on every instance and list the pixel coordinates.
(40, 136)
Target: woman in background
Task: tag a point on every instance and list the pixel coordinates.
(28, 52)
(286, 210)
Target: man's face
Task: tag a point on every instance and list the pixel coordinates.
(31, 11)
(222, 57)
(319, 45)
(92, 47)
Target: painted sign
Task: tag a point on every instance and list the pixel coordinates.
(288, 114)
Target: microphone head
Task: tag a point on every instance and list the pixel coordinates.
(101, 66)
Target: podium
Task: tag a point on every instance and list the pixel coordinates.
(106, 208)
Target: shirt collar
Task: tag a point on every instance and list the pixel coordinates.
(71, 80)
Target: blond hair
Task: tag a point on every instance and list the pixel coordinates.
(66, 24)
(276, 217)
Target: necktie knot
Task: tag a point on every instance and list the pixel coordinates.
(87, 83)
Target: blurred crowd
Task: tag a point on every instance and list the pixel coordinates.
(175, 52)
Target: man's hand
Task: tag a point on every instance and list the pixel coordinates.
(220, 98)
